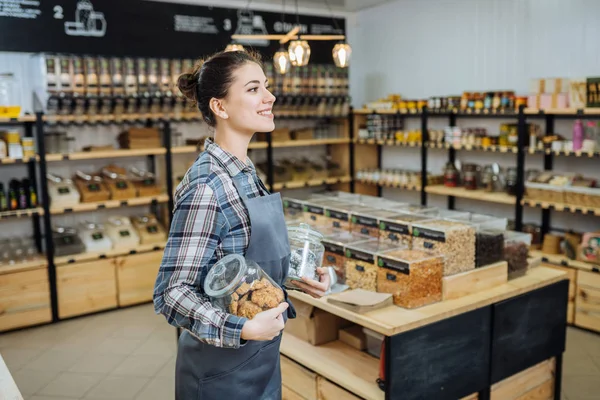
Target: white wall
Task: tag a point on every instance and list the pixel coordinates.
(443, 47)
(421, 48)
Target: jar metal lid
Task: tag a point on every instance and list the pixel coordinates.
(225, 275)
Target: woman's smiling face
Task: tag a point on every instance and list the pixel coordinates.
(249, 103)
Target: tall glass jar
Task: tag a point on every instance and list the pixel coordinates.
(307, 252)
(511, 181)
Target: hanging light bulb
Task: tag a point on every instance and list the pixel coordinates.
(299, 52)
(341, 54)
(234, 47)
(281, 60)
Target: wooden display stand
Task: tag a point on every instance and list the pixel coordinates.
(587, 300)
(466, 283)
(24, 298)
(483, 345)
(136, 275)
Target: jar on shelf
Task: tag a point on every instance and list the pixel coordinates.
(240, 287)
(511, 181)
(451, 175)
(470, 176)
(307, 252)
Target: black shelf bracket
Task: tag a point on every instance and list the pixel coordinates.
(548, 165)
(424, 143)
(523, 136)
(167, 134)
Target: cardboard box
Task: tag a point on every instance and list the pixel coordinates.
(354, 337)
(314, 325)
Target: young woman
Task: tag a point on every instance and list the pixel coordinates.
(222, 207)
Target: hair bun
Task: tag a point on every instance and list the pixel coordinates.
(188, 85)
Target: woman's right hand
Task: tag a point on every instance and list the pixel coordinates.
(265, 325)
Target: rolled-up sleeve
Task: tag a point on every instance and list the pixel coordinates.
(197, 228)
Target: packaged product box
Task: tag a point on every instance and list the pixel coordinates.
(577, 93)
(314, 325)
(556, 85)
(537, 86)
(533, 101)
(593, 92)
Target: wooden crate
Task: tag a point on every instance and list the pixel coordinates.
(572, 275)
(466, 283)
(24, 299)
(535, 383)
(136, 275)
(298, 379)
(289, 394)
(587, 300)
(330, 391)
(86, 287)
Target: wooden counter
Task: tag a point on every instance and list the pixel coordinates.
(8, 387)
(394, 320)
(480, 346)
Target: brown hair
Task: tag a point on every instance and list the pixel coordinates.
(212, 77)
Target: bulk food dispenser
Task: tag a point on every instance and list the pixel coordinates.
(149, 230)
(121, 233)
(91, 187)
(94, 238)
(118, 185)
(66, 241)
(62, 191)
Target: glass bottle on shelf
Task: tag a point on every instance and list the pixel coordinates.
(511, 181)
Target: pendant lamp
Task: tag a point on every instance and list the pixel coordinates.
(281, 61)
(341, 54)
(299, 52)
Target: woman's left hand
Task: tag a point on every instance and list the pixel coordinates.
(315, 288)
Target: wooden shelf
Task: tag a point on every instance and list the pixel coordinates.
(6, 161)
(38, 263)
(562, 207)
(563, 261)
(501, 198)
(63, 260)
(436, 112)
(184, 149)
(405, 187)
(347, 367)
(314, 182)
(392, 320)
(389, 142)
(90, 155)
(22, 213)
(93, 206)
(590, 154)
(187, 116)
(563, 111)
(24, 118)
(310, 142)
(467, 147)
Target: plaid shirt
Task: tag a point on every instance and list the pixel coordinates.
(210, 221)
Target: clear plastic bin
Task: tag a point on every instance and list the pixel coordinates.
(367, 222)
(374, 342)
(314, 211)
(454, 240)
(339, 214)
(413, 277)
(240, 287)
(361, 267)
(335, 256)
(292, 208)
(397, 230)
(516, 252)
(489, 247)
(418, 209)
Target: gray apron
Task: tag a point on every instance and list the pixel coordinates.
(252, 372)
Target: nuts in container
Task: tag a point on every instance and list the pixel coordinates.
(314, 211)
(454, 240)
(339, 214)
(397, 230)
(361, 269)
(489, 247)
(516, 251)
(414, 277)
(307, 252)
(334, 251)
(292, 208)
(367, 222)
(240, 287)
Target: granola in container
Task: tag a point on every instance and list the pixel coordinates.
(314, 211)
(339, 214)
(361, 267)
(454, 240)
(397, 229)
(413, 277)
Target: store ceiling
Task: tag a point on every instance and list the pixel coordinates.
(336, 5)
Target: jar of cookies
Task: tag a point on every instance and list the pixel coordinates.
(240, 287)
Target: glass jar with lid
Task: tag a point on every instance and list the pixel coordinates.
(240, 287)
(471, 176)
(511, 181)
(451, 175)
(307, 252)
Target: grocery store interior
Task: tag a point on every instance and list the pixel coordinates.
(439, 159)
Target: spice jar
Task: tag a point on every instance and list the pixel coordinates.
(414, 277)
(455, 240)
(397, 230)
(451, 175)
(240, 287)
(361, 267)
(307, 252)
(367, 222)
(334, 251)
(516, 251)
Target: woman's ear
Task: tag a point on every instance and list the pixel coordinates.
(217, 108)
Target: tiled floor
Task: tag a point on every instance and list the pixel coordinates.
(130, 354)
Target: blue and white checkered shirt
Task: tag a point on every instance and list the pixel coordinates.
(210, 221)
